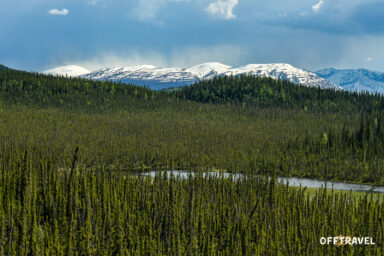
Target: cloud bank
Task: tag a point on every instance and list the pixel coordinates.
(61, 12)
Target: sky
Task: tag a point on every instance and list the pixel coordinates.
(36, 35)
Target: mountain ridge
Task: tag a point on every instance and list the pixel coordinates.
(160, 78)
(355, 79)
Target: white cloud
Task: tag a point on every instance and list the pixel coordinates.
(317, 7)
(369, 59)
(222, 9)
(61, 12)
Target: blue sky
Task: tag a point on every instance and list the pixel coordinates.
(311, 34)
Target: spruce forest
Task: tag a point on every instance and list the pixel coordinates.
(69, 147)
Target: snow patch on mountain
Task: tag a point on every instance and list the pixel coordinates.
(71, 71)
(154, 77)
(284, 71)
(208, 70)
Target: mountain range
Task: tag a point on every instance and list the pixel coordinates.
(159, 78)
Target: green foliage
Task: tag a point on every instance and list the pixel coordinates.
(57, 202)
(129, 127)
(268, 92)
(33, 89)
(50, 211)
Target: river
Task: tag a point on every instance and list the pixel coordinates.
(296, 182)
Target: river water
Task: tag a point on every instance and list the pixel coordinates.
(296, 182)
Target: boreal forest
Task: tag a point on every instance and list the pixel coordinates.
(73, 154)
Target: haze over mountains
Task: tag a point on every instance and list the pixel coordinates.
(160, 78)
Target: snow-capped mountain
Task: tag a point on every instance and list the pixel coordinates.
(209, 70)
(160, 78)
(154, 77)
(355, 79)
(71, 70)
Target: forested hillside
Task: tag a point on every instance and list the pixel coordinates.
(268, 92)
(34, 89)
(68, 147)
(243, 124)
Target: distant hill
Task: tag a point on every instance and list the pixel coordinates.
(2, 67)
(355, 79)
(35, 89)
(268, 92)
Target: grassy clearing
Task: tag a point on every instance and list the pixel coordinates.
(311, 192)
